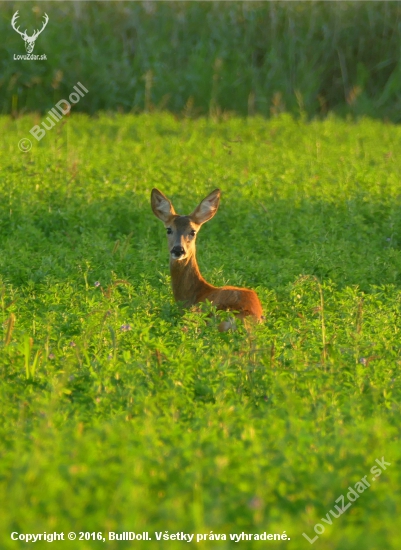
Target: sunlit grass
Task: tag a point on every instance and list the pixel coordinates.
(119, 412)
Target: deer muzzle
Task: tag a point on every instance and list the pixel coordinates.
(177, 252)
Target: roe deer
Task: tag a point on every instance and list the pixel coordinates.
(188, 284)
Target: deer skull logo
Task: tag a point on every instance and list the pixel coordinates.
(29, 40)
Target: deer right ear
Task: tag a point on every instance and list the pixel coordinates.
(207, 208)
(161, 206)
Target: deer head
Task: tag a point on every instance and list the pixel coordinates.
(29, 40)
(182, 230)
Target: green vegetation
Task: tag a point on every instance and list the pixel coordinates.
(199, 57)
(119, 412)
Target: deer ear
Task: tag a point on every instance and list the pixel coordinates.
(207, 208)
(161, 206)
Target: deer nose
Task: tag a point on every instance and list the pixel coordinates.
(177, 251)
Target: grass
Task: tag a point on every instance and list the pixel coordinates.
(120, 413)
(196, 58)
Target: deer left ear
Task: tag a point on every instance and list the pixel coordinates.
(161, 206)
(207, 208)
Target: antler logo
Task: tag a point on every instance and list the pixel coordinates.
(29, 40)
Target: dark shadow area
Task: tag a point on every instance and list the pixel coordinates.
(200, 58)
(353, 243)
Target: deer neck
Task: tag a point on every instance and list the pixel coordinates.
(187, 281)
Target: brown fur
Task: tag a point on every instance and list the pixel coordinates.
(188, 284)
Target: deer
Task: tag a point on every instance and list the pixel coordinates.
(189, 287)
(29, 40)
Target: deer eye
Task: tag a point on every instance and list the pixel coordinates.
(169, 231)
(192, 233)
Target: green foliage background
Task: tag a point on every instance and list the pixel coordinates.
(119, 412)
(170, 425)
(201, 57)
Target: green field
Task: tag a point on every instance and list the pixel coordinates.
(121, 413)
